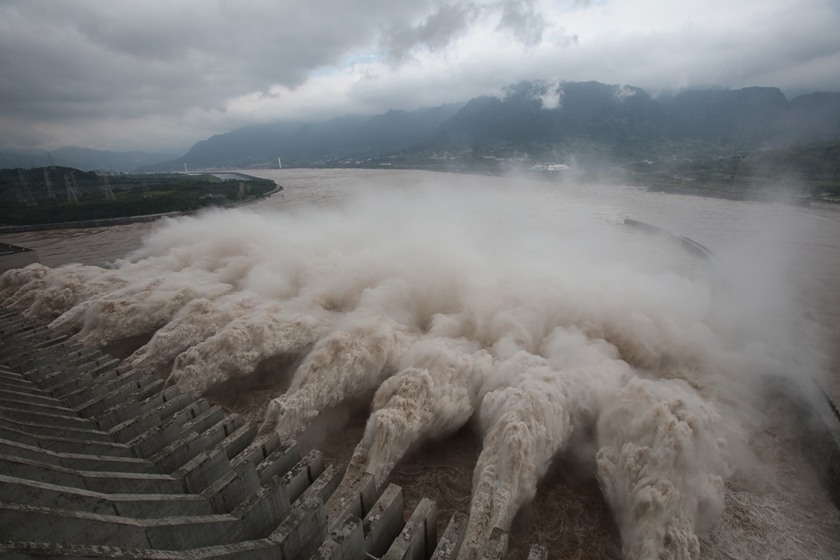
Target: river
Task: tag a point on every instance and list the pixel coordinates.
(808, 240)
(789, 255)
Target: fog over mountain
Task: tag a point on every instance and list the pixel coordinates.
(557, 122)
(83, 158)
(159, 76)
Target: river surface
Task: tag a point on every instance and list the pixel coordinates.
(798, 247)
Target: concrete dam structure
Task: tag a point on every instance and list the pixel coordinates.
(99, 461)
(603, 392)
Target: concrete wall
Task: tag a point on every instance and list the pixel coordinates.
(100, 461)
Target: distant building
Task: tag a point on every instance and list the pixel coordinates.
(550, 167)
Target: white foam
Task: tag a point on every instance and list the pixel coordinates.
(442, 306)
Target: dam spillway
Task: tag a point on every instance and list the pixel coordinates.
(102, 461)
(401, 335)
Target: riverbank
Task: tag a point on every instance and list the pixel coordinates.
(123, 220)
(89, 223)
(751, 195)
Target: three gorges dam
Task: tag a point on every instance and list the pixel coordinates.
(419, 370)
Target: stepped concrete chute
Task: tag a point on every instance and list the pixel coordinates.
(100, 461)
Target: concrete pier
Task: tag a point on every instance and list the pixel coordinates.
(100, 461)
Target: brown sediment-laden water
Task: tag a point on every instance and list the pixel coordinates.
(507, 347)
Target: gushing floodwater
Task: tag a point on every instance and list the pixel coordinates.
(528, 313)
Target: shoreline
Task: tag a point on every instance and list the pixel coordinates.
(653, 188)
(123, 220)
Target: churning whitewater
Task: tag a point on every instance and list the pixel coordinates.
(553, 332)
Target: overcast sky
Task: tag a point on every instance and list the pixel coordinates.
(161, 75)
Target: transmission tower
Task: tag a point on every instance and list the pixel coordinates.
(26, 192)
(109, 194)
(70, 183)
(48, 183)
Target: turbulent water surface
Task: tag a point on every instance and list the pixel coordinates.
(508, 347)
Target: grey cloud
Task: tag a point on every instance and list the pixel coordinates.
(523, 21)
(448, 21)
(435, 32)
(165, 67)
(79, 58)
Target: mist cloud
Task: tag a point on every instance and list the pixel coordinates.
(524, 21)
(545, 325)
(435, 32)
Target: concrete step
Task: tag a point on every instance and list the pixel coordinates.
(158, 426)
(23, 386)
(12, 375)
(98, 481)
(47, 427)
(262, 549)
(107, 411)
(9, 399)
(65, 444)
(22, 491)
(26, 523)
(45, 415)
(297, 538)
(71, 379)
(255, 517)
(56, 358)
(10, 395)
(98, 460)
(241, 479)
(79, 461)
(30, 352)
(22, 343)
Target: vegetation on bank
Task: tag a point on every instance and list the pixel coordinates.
(805, 173)
(50, 195)
(802, 174)
(809, 172)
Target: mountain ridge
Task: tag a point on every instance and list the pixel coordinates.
(87, 159)
(540, 121)
(530, 121)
